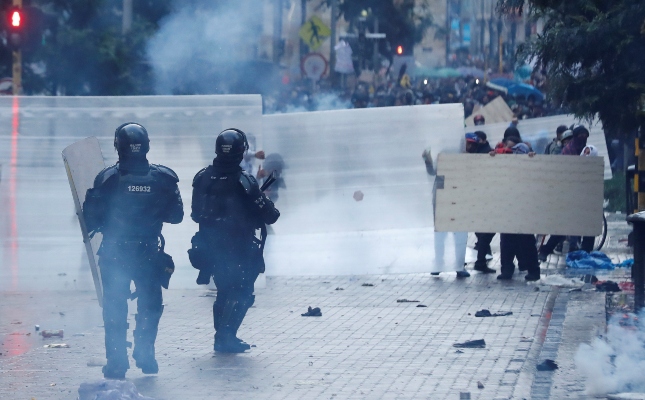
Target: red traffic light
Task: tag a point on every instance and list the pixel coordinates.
(16, 19)
(399, 49)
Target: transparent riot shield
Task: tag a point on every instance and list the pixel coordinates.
(83, 161)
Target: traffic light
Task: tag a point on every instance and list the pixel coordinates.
(15, 27)
(399, 50)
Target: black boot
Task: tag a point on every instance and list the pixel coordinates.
(116, 350)
(145, 334)
(231, 318)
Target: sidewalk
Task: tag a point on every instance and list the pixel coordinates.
(366, 344)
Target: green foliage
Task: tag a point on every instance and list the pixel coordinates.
(615, 192)
(80, 48)
(593, 52)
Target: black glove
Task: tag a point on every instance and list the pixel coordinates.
(204, 278)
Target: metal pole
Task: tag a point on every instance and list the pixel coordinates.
(127, 16)
(303, 20)
(332, 42)
(448, 32)
(638, 269)
(499, 45)
(16, 56)
(277, 31)
(375, 56)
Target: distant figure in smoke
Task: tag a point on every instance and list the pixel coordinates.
(128, 204)
(273, 163)
(248, 162)
(229, 208)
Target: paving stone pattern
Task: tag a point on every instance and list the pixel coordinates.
(366, 345)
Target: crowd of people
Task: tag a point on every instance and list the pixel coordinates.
(387, 90)
(568, 141)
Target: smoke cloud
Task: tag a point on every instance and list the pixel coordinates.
(615, 363)
(210, 47)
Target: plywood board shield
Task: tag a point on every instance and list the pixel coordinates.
(519, 194)
(494, 112)
(355, 194)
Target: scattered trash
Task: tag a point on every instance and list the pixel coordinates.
(536, 289)
(16, 323)
(471, 344)
(421, 305)
(367, 284)
(588, 278)
(56, 346)
(486, 313)
(37, 327)
(407, 301)
(547, 365)
(358, 195)
(626, 286)
(480, 385)
(459, 351)
(607, 286)
(110, 389)
(312, 312)
(464, 395)
(52, 384)
(559, 280)
(62, 274)
(78, 334)
(339, 288)
(62, 314)
(48, 334)
(96, 362)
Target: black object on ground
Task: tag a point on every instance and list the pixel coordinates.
(471, 344)
(421, 305)
(480, 385)
(407, 301)
(588, 278)
(486, 313)
(367, 284)
(547, 365)
(339, 288)
(312, 312)
(608, 286)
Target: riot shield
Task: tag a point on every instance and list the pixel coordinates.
(83, 161)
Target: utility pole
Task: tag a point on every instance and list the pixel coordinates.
(16, 69)
(375, 55)
(277, 31)
(303, 20)
(332, 42)
(127, 16)
(448, 32)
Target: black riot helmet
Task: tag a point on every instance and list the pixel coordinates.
(131, 139)
(231, 142)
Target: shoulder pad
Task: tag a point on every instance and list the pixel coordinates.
(248, 182)
(201, 173)
(106, 174)
(166, 171)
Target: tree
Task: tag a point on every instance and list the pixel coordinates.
(593, 52)
(76, 47)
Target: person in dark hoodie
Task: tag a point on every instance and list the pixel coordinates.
(578, 142)
(520, 246)
(476, 143)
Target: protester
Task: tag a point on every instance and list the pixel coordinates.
(555, 147)
(514, 245)
(578, 142)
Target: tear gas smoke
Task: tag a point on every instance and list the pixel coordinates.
(615, 363)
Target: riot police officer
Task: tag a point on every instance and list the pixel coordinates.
(128, 204)
(230, 208)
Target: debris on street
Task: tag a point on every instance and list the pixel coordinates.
(421, 305)
(312, 312)
(339, 288)
(110, 389)
(547, 365)
(472, 344)
(487, 313)
(50, 333)
(367, 284)
(96, 362)
(56, 346)
(407, 301)
(607, 286)
(480, 385)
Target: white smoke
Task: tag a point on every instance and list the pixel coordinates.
(201, 40)
(615, 363)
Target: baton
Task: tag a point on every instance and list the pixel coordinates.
(269, 181)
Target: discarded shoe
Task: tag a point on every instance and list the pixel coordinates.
(547, 365)
(312, 312)
(503, 277)
(486, 313)
(532, 277)
(484, 269)
(472, 344)
(463, 274)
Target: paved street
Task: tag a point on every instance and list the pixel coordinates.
(366, 344)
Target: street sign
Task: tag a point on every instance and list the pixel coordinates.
(314, 66)
(314, 32)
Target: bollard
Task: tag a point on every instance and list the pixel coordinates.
(638, 270)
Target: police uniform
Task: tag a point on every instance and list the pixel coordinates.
(229, 208)
(128, 204)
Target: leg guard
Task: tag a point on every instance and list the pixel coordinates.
(232, 316)
(116, 350)
(145, 334)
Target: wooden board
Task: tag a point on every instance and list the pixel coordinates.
(517, 194)
(494, 112)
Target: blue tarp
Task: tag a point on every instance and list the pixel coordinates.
(594, 260)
